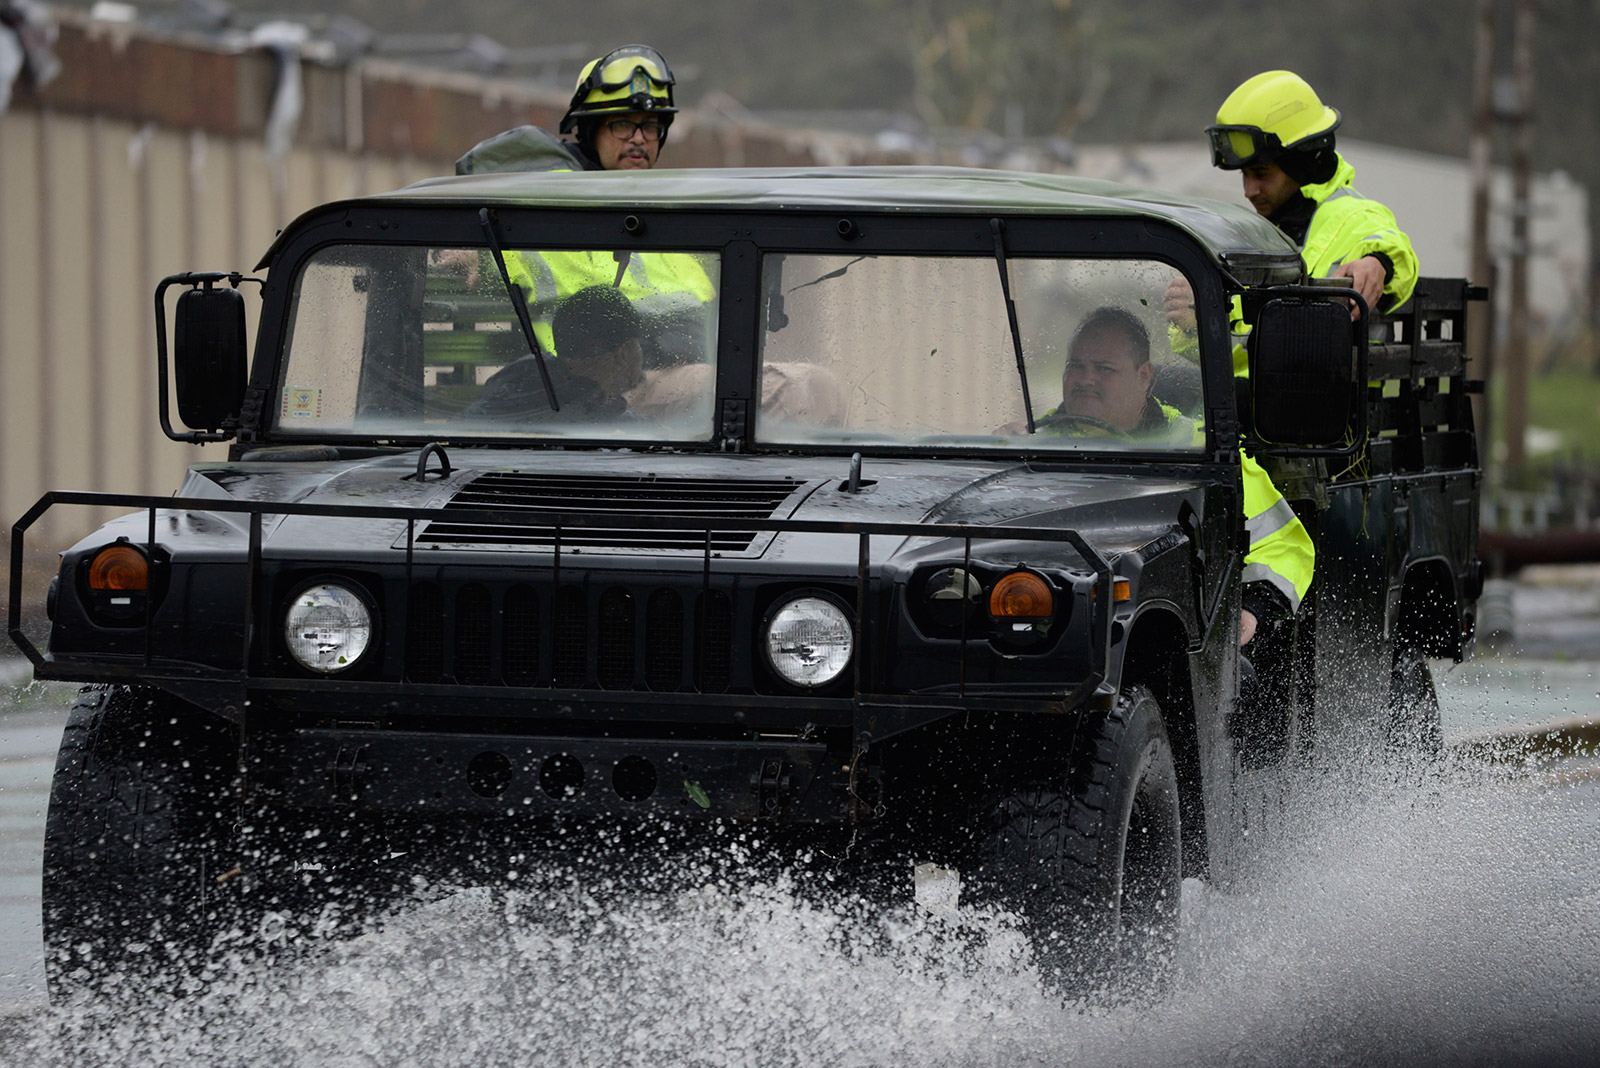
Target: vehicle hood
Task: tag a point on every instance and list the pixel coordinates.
(1113, 511)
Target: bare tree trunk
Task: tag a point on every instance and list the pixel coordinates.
(1480, 338)
(1517, 334)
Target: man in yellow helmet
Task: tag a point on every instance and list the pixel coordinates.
(622, 108)
(620, 112)
(1278, 133)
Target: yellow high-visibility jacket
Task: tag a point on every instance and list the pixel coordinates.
(1345, 227)
(1348, 226)
(660, 284)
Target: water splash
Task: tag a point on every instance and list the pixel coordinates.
(1453, 919)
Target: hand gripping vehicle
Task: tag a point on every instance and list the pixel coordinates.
(745, 496)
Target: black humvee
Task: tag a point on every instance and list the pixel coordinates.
(751, 496)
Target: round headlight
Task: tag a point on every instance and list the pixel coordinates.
(327, 627)
(809, 641)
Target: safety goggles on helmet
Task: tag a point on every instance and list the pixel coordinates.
(1235, 147)
(630, 78)
(625, 66)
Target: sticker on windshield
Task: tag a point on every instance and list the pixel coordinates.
(302, 403)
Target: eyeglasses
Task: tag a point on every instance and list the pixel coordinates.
(624, 129)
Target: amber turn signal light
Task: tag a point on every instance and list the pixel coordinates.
(1121, 590)
(1021, 595)
(119, 567)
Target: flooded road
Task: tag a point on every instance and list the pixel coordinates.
(1455, 920)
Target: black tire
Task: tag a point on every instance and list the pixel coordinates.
(141, 829)
(1091, 858)
(1414, 726)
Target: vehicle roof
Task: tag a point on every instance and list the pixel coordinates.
(1222, 228)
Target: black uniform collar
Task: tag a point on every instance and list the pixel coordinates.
(1294, 217)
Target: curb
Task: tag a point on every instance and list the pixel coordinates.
(1572, 736)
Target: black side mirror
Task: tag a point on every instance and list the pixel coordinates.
(209, 355)
(1307, 377)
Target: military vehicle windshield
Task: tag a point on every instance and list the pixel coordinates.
(918, 350)
(406, 341)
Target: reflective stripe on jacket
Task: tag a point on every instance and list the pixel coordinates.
(1281, 553)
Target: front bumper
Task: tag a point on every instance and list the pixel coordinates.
(431, 774)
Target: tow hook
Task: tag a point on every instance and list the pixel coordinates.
(350, 773)
(769, 785)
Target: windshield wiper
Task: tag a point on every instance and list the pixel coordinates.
(1011, 313)
(521, 306)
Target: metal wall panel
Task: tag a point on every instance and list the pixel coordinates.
(94, 212)
(21, 355)
(121, 313)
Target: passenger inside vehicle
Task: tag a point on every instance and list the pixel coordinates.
(600, 338)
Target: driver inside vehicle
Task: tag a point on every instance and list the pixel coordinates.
(1106, 384)
(599, 336)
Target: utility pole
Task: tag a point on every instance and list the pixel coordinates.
(1518, 331)
(1480, 333)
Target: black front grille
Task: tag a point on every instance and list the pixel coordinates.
(614, 659)
(571, 638)
(472, 635)
(615, 498)
(425, 634)
(519, 651)
(663, 641)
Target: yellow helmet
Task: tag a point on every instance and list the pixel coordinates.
(1268, 115)
(630, 78)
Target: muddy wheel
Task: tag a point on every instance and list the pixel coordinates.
(1414, 725)
(1090, 857)
(140, 830)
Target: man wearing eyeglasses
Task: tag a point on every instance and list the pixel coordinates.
(618, 119)
(621, 110)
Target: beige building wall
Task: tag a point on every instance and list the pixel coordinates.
(93, 214)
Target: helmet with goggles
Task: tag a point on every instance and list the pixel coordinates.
(1273, 117)
(627, 79)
